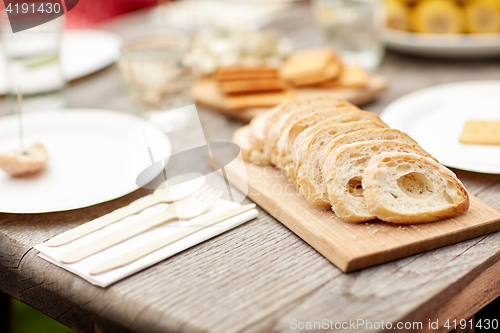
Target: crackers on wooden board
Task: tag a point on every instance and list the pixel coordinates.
(239, 80)
(238, 73)
(481, 132)
(235, 87)
(239, 87)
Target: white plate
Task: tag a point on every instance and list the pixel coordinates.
(435, 117)
(82, 53)
(95, 156)
(446, 46)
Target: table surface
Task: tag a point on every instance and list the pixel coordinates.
(258, 277)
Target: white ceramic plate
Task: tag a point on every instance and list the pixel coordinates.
(435, 117)
(445, 46)
(82, 53)
(95, 156)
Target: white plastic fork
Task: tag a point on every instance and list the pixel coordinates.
(185, 209)
(160, 195)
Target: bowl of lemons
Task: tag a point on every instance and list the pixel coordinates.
(443, 28)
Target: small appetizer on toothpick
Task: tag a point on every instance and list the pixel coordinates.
(23, 161)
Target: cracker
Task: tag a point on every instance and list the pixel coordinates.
(208, 92)
(236, 87)
(233, 73)
(481, 132)
(350, 77)
(311, 67)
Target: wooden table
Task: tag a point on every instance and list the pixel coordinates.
(258, 277)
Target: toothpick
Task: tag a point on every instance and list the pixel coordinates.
(20, 112)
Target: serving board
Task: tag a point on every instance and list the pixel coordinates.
(352, 246)
(206, 92)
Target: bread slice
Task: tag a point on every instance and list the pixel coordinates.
(309, 179)
(259, 153)
(257, 135)
(291, 118)
(368, 135)
(343, 176)
(408, 188)
(285, 147)
(259, 157)
(295, 104)
(276, 129)
(241, 137)
(351, 117)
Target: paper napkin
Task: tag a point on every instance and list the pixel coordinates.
(82, 268)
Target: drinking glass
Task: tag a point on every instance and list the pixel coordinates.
(33, 65)
(155, 78)
(353, 28)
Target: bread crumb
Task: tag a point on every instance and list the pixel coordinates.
(354, 236)
(331, 217)
(346, 227)
(368, 227)
(375, 231)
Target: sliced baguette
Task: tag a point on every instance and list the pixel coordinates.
(288, 138)
(309, 178)
(241, 137)
(368, 135)
(290, 119)
(277, 128)
(409, 188)
(295, 104)
(257, 136)
(259, 153)
(351, 117)
(343, 176)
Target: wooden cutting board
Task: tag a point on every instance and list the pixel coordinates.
(206, 92)
(353, 246)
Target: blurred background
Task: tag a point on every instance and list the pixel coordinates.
(182, 45)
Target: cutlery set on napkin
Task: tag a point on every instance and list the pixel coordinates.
(145, 232)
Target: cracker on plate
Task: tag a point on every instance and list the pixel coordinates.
(481, 132)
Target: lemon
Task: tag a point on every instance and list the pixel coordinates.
(398, 15)
(437, 16)
(482, 16)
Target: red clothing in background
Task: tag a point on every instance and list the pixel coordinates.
(88, 13)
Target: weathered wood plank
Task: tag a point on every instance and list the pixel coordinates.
(259, 276)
